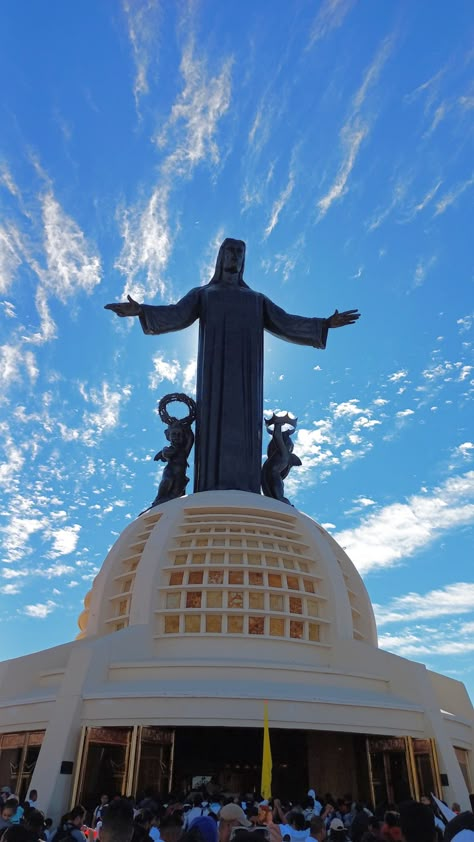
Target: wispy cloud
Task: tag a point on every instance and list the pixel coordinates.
(439, 115)
(190, 132)
(422, 268)
(449, 198)
(451, 639)
(208, 261)
(260, 130)
(9, 309)
(364, 501)
(11, 573)
(40, 610)
(10, 255)
(285, 262)
(343, 436)
(330, 16)
(466, 449)
(399, 193)
(64, 543)
(429, 87)
(351, 139)
(465, 323)
(421, 205)
(57, 570)
(163, 370)
(147, 245)
(63, 264)
(47, 327)
(16, 534)
(399, 530)
(72, 265)
(427, 642)
(448, 601)
(10, 589)
(7, 181)
(445, 371)
(105, 417)
(255, 186)
(279, 204)
(174, 372)
(373, 72)
(189, 376)
(15, 362)
(466, 103)
(355, 130)
(142, 24)
(195, 116)
(401, 374)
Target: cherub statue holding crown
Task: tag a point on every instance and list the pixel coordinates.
(281, 458)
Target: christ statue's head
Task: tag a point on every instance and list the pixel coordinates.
(230, 263)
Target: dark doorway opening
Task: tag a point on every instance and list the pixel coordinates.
(232, 757)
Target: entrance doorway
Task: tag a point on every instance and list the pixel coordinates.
(148, 760)
(231, 760)
(390, 775)
(18, 755)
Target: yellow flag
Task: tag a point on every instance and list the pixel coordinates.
(266, 784)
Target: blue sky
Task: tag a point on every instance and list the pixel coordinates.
(336, 139)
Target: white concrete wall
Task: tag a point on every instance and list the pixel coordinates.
(128, 677)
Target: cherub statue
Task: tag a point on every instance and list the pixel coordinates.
(181, 439)
(280, 455)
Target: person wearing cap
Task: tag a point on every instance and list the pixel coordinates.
(317, 806)
(337, 831)
(230, 816)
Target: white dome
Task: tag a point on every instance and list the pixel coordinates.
(229, 565)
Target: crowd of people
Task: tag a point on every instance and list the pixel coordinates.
(211, 818)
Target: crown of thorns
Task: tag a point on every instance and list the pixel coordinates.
(281, 419)
(179, 398)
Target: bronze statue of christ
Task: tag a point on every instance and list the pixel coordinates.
(229, 391)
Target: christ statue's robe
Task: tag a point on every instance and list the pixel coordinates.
(229, 390)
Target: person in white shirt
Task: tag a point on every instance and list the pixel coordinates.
(32, 800)
(295, 828)
(198, 809)
(317, 806)
(97, 814)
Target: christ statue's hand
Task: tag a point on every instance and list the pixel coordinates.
(347, 317)
(126, 308)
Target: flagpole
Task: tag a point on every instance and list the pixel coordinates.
(266, 781)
